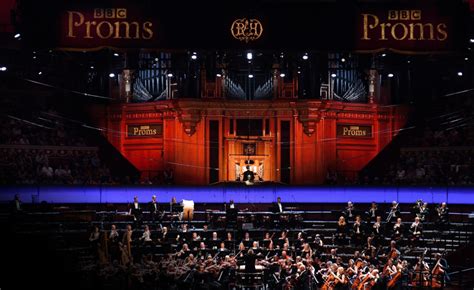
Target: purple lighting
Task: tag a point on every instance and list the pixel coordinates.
(111, 194)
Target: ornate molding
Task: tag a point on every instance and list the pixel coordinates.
(309, 118)
(189, 118)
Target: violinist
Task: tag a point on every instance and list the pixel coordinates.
(416, 231)
(393, 252)
(340, 279)
(389, 271)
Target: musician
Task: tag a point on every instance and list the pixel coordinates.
(153, 208)
(416, 231)
(416, 207)
(303, 278)
(278, 206)
(163, 236)
(341, 231)
(349, 212)
(340, 279)
(443, 216)
(358, 232)
(373, 212)
(283, 239)
(16, 204)
(135, 210)
(393, 253)
(398, 230)
(249, 261)
(378, 231)
(146, 236)
(394, 212)
(423, 212)
(306, 252)
(113, 241)
(125, 245)
(389, 270)
(438, 273)
(249, 175)
(94, 239)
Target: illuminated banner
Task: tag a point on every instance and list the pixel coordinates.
(106, 27)
(355, 131)
(407, 27)
(408, 30)
(150, 130)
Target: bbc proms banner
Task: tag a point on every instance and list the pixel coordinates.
(409, 27)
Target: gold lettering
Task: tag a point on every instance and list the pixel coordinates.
(441, 28)
(382, 30)
(421, 28)
(135, 131)
(392, 14)
(88, 28)
(394, 31)
(99, 31)
(121, 13)
(368, 26)
(147, 32)
(118, 24)
(415, 14)
(72, 23)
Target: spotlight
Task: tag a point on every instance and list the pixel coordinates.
(40, 73)
(343, 60)
(384, 54)
(116, 54)
(282, 55)
(170, 75)
(111, 75)
(299, 72)
(156, 59)
(459, 73)
(249, 55)
(470, 40)
(305, 56)
(92, 67)
(390, 75)
(17, 35)
(333, 75)
(34, 56)
(282, 75)
(218, 75)
(194, 56)
(408, 61)
(466, 58)
(3, 68)
(250, 76)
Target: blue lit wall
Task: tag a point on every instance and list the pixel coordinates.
(256, 194)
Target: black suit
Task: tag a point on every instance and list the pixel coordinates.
(249, 261)
(276, 207)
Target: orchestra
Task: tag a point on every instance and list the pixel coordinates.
(284, 259)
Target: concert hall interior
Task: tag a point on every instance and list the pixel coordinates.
(267, 144)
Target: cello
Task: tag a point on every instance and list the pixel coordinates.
(437, 274)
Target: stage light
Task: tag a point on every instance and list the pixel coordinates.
(170, 75)
(299, 72)
(282, 75)
(343, 60)
(333, 75)
(116, 54)
(40, 73)
(384, 54)
(459, 73)
(471, 40)
(3, 68)
(466, 58)
(156, 59)
(92, 67)
(249, 55)
(17, 35)
(34, 56)
(194, 56)
(282, 55)
(408, 61)
(218, 75)
(111, 75)
(305, 56)
(390, 75)
(250, 76)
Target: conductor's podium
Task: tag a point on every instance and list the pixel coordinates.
(249, 280)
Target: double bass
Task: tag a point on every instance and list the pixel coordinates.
(437, 275)
(421, 272)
